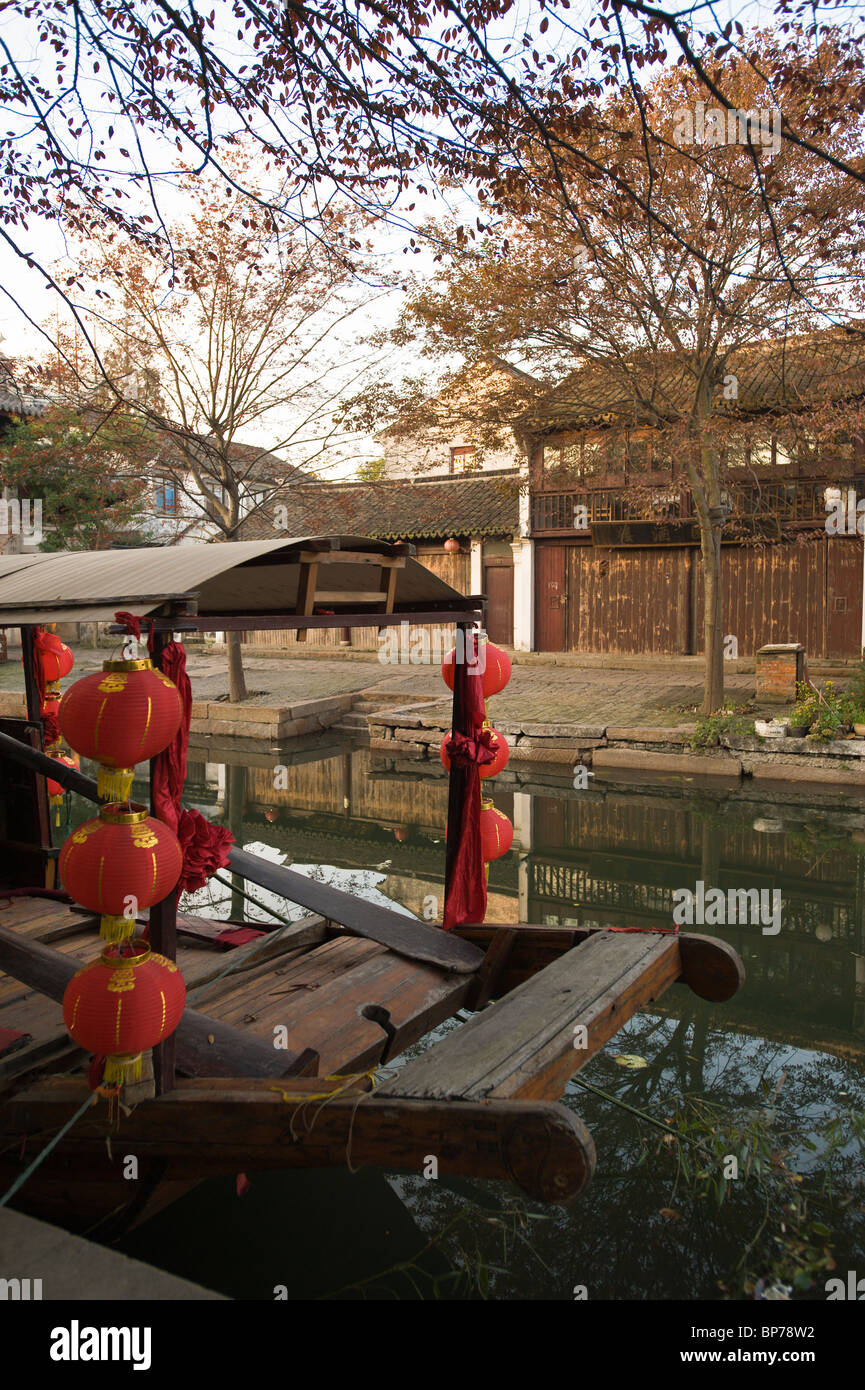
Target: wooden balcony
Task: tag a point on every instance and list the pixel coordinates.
(665, 515)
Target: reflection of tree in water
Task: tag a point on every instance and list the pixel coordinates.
(765, 1101)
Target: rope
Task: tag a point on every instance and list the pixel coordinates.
(40, 1157)
(238, 957)
(226, 883)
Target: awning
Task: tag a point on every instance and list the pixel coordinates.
(341, 575)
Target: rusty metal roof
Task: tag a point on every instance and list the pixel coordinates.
(223, 577)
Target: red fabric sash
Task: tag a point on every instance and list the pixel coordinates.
(469, 746)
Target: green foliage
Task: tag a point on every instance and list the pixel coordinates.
(823, 711)
(87, 469)
(792, 1245)
(371, 471)
(729, 720)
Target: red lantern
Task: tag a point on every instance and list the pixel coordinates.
(54, 657)
(494, 666)
(271, 814)
(401, 834)
(452, 546)
(497, 833)
(68, 760)
(123, 715)
(499, 743)
(121, 1005)
(122, 854)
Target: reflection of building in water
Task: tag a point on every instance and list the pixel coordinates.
(608, 857)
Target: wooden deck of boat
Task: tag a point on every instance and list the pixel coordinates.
(483, 1099)
(352, 1001)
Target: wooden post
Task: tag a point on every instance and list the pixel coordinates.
(458, 776)
(28, 645)
(163, 922)
(307, 580)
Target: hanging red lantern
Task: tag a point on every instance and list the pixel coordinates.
(497, 832)
(494, 666)
(497, 741)
(452, 546)
(401, 833)
(271, 814)
(123, 715)
(55, 790)
(121, 1005)
(121, 854)
(54, 657)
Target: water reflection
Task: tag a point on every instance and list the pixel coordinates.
(775, 1075)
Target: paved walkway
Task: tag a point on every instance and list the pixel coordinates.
(663, 696)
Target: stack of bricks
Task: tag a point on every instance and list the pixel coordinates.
(779, 667)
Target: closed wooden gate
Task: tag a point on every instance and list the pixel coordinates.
(590, 599)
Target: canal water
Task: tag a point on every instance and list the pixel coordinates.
(767, 1089)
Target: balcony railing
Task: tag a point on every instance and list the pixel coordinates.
(802, 501)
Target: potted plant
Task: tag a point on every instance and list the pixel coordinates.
(804, 712)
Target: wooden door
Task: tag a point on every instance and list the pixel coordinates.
(551, 596)
(499, 589)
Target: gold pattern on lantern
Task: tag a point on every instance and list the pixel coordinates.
(121, 980)
(89, 827)
(113, 683)
(144, 838)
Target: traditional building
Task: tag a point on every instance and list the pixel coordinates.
(466, 529)
(617, 565)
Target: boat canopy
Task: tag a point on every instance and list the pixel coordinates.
(300, 581)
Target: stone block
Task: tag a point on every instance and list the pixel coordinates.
(683, 763)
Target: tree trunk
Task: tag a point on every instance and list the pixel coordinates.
(713, 634)
(236, 679)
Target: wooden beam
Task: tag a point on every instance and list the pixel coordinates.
(307, 580)
(711, 968)
(526, 1044)
(205, 1047)
(387, 587)
(402, 934)
(162, 930)
(28, 646)
(204, 1128)
(267, 622)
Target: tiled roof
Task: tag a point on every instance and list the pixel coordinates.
(804, 371)
(14, 401)
(482, 505)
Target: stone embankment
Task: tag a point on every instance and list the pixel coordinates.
(419, 728)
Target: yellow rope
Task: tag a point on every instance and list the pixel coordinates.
(346, 1077)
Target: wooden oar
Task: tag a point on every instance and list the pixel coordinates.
(401, 934)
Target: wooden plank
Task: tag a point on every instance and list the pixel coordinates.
(711, 968)
(401, 934)
(205, 1046)
(488, 977)
(387, 587)
(524, 1044)
(245, 1126)
(362, 1016)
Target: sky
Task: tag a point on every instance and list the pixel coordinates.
(44, 239)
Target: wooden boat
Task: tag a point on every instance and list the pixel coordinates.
(285, 1054)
